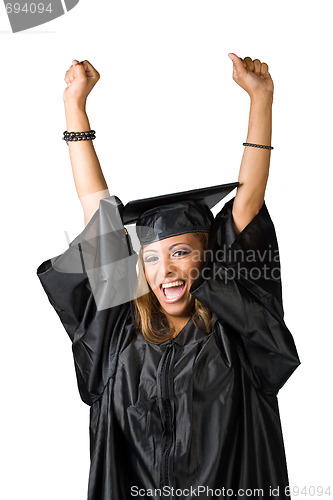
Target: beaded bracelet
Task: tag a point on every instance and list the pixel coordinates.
(257, 145)
(79, 136)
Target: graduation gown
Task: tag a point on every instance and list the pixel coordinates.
(196, 416)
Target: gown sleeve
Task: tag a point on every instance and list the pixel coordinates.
(241, 284)
(90, 287)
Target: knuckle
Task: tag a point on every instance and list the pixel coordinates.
(264, 67)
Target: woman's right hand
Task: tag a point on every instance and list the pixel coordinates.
(81, 79)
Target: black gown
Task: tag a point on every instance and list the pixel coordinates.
(199, 413)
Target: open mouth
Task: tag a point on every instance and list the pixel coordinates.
(173, 291)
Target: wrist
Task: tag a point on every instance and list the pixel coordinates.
(76, 118)
(260, 98)
(75, 105)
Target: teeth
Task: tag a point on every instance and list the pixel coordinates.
(174, 283)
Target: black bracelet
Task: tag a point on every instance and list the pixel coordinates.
(79, 136)
(257, 145)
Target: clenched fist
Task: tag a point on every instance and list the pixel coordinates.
(252, 76)
(81, 79)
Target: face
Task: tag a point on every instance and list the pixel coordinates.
(171, 266)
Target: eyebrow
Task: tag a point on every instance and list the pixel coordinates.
(180, 243)
(170, 248)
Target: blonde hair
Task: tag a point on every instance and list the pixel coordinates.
(150, 320)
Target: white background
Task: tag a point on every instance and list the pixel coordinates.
(168, 117)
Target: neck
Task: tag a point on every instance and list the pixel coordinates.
(178, 323)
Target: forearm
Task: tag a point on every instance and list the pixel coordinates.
(87, 172)
(254, 169)
(88, 176)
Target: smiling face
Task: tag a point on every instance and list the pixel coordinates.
(171, 266)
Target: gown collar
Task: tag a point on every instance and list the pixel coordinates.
(189, 334)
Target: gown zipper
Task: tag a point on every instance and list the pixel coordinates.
(169, 420)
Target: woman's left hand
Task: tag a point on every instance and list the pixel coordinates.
(252, 76)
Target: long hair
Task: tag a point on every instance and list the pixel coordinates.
(149, 318)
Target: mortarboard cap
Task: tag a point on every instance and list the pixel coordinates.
(169, 215)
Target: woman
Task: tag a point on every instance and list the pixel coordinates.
(181, 375)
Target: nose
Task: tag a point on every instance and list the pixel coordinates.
(166, 267)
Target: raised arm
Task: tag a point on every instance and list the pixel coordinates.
(89, 181)
(254, 78)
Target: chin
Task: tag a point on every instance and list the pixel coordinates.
(178, 309)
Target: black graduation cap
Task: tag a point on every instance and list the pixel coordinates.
(169, 215)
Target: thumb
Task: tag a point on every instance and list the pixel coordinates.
(238, 67)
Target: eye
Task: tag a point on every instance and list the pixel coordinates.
(150, 259)
(180, 253)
